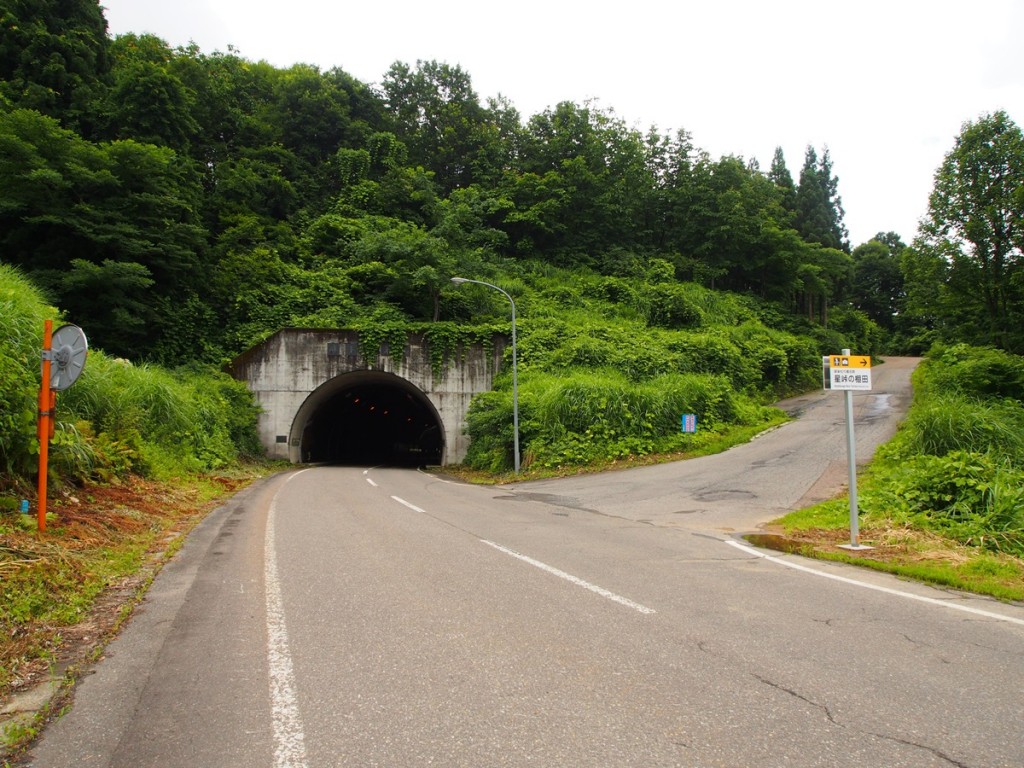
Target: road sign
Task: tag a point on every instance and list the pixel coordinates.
(849, 372)
(689, 423)
(858, 362)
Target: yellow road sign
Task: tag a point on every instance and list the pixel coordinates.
(858, 362)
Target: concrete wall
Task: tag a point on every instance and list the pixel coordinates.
(295, 368)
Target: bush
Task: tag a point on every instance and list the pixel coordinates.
(956, 466)
(674, 305)
(585, 416)
(146, 420)
(710, 352)
(974, 371)
(940, 424)
(859, 332)
(970, 497)
(637, 356)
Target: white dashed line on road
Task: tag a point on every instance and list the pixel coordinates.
(572, 579)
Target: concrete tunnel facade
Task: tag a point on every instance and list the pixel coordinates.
(325, 399)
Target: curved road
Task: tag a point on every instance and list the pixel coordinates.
(796, 465)
(379, 617)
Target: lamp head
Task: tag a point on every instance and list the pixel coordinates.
(459, 280)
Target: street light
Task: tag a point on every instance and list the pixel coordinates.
(515, 373)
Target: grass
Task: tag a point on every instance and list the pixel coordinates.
(708, 443)
(901, 550)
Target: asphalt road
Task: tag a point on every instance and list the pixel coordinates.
(339, 616)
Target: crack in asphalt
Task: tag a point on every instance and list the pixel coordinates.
(801, 697)
(552, 500)
(937, 752)
(832, 719)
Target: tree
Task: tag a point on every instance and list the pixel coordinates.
(877, 279)
(125, 208)
(975, 222)
(923, 319)
(148, 102)
(232, 98)
(53, 57)
(438, 116)
(783, 179)
(727, 221)
(311, 112)
(819, 210)
(112, 299)
(585, 187)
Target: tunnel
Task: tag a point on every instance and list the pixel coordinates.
(369, 418)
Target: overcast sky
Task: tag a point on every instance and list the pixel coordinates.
(886, 86)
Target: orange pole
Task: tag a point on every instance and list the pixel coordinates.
(45, 415)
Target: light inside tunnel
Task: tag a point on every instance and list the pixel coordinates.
(372, 420)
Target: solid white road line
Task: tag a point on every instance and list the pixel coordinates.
(866, 585)
(289, 739)
(573, 579)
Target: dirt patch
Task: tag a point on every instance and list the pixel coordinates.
(87, 523)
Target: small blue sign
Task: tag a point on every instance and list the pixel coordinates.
(689, 423)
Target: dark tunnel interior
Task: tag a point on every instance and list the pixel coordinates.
(371, 423)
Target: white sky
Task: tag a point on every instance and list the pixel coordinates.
(885, 85)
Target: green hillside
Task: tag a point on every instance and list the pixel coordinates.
(182, 205)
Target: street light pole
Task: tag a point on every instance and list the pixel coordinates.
(515, 372)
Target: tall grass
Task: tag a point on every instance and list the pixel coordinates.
(118, 418)
(583, 416)
(22, 314)
(956, 466)
(945, 422)
(162, 422)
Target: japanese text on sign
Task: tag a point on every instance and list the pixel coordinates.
(847, 372)
(846, 379)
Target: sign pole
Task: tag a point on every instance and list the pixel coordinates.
(851, 453)
(60, 370)
(849, 372)
(45, 417)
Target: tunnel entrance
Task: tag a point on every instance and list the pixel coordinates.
(369, 417)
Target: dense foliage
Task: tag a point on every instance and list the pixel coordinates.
(608, 365)
(957, 464)
(22, 313)
(182, 205)
(118, 418)
(966, 270)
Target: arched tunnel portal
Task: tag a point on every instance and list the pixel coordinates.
(314, 388)
(369, 417)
